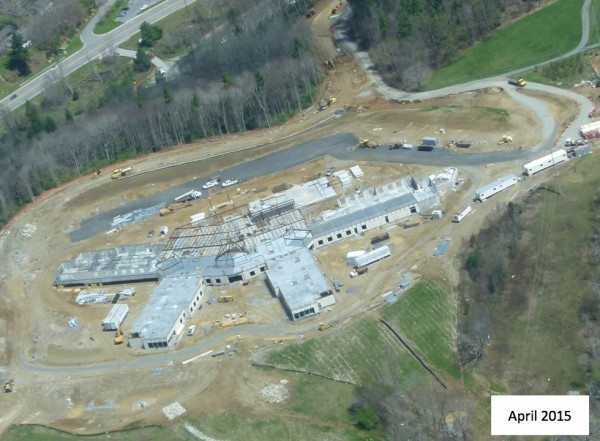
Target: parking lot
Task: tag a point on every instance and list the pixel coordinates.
(135, 8)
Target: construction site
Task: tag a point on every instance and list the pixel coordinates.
(179, 266)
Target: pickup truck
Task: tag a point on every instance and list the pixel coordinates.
(210, 184)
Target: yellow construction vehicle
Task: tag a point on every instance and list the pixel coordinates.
(120, 172)
(329, 64)
(324, 326)
(365, 143)
(505, 139)
(96, 174)
(173, 207)
(119, 338)
(520, 82)
(225, 299)
(8, 386)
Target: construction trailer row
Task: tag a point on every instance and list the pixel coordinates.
(545, 162)
(496, 186)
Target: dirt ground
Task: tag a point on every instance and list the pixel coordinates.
(33, 317)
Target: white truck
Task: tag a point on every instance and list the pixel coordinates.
(229, 182)
(188, 196)
(462, 213)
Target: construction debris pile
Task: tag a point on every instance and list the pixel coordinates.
(28, 229)
(173, 410)
(275, 393)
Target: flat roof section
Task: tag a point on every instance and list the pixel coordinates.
(298, 278)
(170, 297)
(361, 212)
(125, 263)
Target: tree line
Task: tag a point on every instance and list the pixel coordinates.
(256, 71)
(408, 38)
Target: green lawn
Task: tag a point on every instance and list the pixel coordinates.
(594, 23)
(109, 22)
(547, 33)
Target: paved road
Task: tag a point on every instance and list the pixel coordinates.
(94, 46)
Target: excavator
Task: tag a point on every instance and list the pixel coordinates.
(366, 143)
(119, 338)
(324, 326)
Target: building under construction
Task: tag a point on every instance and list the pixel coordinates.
(271, 237)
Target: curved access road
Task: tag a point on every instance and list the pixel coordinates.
(550, 129)
(94, 46)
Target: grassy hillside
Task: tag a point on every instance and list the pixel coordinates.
(530, 295)
(547, 33)
(365, 351)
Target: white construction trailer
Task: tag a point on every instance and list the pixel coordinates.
(372, 256)
(115, 317)
(352, 255)
(462, 213)
(502, 183)
(591, 130)
(545, 162)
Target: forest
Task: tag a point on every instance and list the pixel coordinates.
(256, 70)
(407, 39)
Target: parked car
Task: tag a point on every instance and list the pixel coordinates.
(210, 184)
(191, 330)
(13, 96)
(144, 7)
(229, 182)
(150, 233)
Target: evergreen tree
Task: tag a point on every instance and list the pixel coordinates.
(142, 61)
(150, 34)
(18, 56)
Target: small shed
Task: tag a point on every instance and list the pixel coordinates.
(115, 317)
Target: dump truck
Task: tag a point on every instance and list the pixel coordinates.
(172, 208)
(120, 172)
(324, 326)
(517, 82)
(380, 238)
(119, 338)
(225, 299)
(368, 144)
(358, 271)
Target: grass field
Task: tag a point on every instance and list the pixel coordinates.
(547, 33)
(594, 23)
(426, 315)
